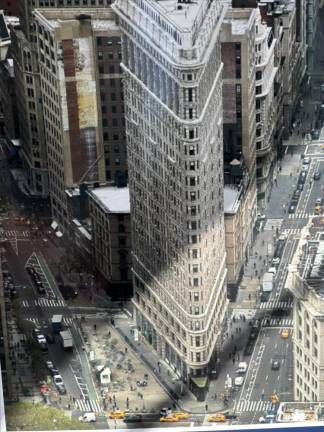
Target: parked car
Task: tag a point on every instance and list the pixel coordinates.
(315, 133)
(272, 270)
(58, 382)
(319, 201)
(302, 177)
(292, 209)
(306, 160)
(275, 261)
(238, 381)
(300, 187)
(53, 371)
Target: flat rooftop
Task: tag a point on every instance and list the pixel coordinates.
(231, 199)
(183, 15)
(102, 19)
(112, 199)
(298, 412)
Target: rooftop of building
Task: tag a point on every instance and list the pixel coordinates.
(308, 261)
(112, 199)
(232, 196)
(239, 18)
(183, 13)
(101, 19)
(292, 412)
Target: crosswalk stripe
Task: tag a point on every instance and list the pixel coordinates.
(25, 303)
(301, 215)
(34, 320)
(256, 406)
(68, 321)
(275, 223)
(91, 405)
(49, 302)
(288, 322)
(274, 304)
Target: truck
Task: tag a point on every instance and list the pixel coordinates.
(57, 323)
(66, 339)
(267, 282)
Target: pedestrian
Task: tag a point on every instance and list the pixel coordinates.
(126, 350)
(233, 359)
(206, 407)
(127, 403)
(232, 336)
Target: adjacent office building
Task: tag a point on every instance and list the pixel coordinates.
(239, 124)
(79, 99)
(306, 282)
(173, 109)
(29, 95)
(111, 231)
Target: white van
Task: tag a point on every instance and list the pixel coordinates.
(238, 381)
(88, 417)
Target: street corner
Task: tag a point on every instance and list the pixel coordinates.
(129, 385)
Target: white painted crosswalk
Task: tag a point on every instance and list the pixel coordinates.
(68, 321)
(277, 322)
(91, 405)
(14, 233)
(44, 303)
(301, 215)
(256, 406)
(49, 302)
(273, 224)
(292, 231)
(33, 320)
(275, 304)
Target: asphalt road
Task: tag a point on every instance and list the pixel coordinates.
(39, 309)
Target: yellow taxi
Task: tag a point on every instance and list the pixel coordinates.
(285, 334)
(181, 415)
(274, 399)
(217, 418)
(318, 210)
(116, 415)
(169, 419)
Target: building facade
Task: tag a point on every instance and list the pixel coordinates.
(239, 123)
(9, 7)
(72, 97)
(29, 92)
(306, 283)
(173, 110)
(111, 229)
(30, 114)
